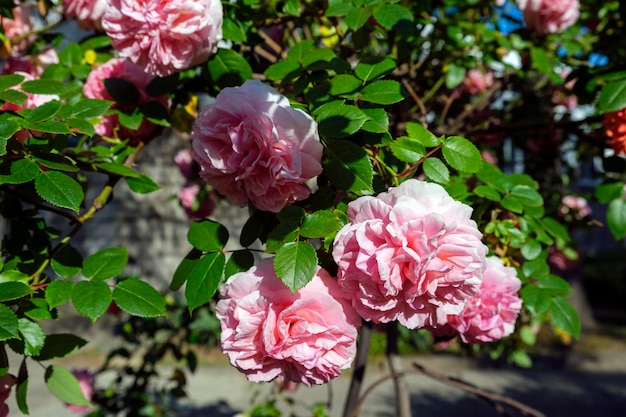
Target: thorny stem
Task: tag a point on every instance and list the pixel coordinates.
(35, 32)
(351, 408)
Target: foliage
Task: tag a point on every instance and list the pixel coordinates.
(387, 83)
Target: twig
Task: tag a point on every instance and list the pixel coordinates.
(403, 400)
(415, 97)
(353, 401)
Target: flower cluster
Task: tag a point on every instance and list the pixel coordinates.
(270, 333)
(164, 36)
(252, 146)
(411, 254)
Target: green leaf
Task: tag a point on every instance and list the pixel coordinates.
(33, 336)
(520, 358)
(138, 298)
(239, 261)
(55, 161)
(80, 126)
(416, 130)
(10, 80)
(228, 69)
(512, 204)
(372, 67)
(295, 264)
(67, 262)
(612, 96)
(106, 263)
(204, 279)
(117, 169)
(455, 76)
(17, 171)
(43, 112)
(379, 120)
(536, 268)
(338, 8)
(605, 193)
(357, 17)
(142, 184)
(13, 290)
(565, 317)
(63, 385)
(527, 196)
(300, 50)
(13, 96)
(436, 170)
(531, 249)
(8, 129)
(59, 292)
(348, 167)
(21, 390)
(232, 30)
(283, 233)
(91, 298)
(48, 126)
(60, 190)
(338, 120)
(487, 192)
(557, 286)
(540, 60)
(184, 269)
(89, 108)
(407, 149)
(345, 85)
(320, 57)
(281, 70)
(320, 224)
(391, 16)
(462, 154)
(71, 55)
(616, 218)
(207, 235)
(8, 323)
(556, 229)
(536, 300)
(51, 87)
(59, 345)
(292, 8)
(383, 92)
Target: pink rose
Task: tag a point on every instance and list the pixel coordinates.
(198, 203)
(186, 164)
(88, 13)
(490, 315)
(86, 381)
(253, 146)
(270, 334)
(32, 64)
(109, 125)
(478, 80)
(164, 36)
(412, 254)
(549, 16)
(21, 24)
(576, 205)
(6, 382)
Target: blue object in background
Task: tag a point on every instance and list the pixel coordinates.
(509, 18)
(597, 60)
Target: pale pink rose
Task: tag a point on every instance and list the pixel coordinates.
(186, 164)
(6, 382)
(271, 334)
(86, 381)
(164, 36)
(198, 205)
(411, 254)
(490, 315)
(21, 24)
(576, 205)
(478, 80)
(109, 126)
(253, 146)
(549, 16)
(88, 13)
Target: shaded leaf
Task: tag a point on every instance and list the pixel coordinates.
(139, 298)
(348, 167)
(63, 385)
(60, 190)
(204, 279)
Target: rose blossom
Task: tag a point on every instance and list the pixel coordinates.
(31, 64)
(95, 88)
(20, 25)
(86, 381)
(6, 382)
(410, 254)
(478, 80)
(197, 203)
(253, 146)
(615, 129)
(164, 36)
(270, 333)
(549, 16)
(88, 13)
(186, 164)
(490, 315)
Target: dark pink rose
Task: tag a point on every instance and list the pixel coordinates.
(6, 382)
(197, 202)
(478, 80)
(86, 381)
(31, 64)
(270, 334)
(549, 16)
(164, 36)
(88, 13)
(109, 126)
(253, 146)
(411, 254)
(21, 24)
(490, 315)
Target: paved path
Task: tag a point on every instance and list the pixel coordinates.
(586, 386)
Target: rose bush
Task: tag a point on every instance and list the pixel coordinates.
(253, 146)
(411, 254)
(164, 36)
(270, 333)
